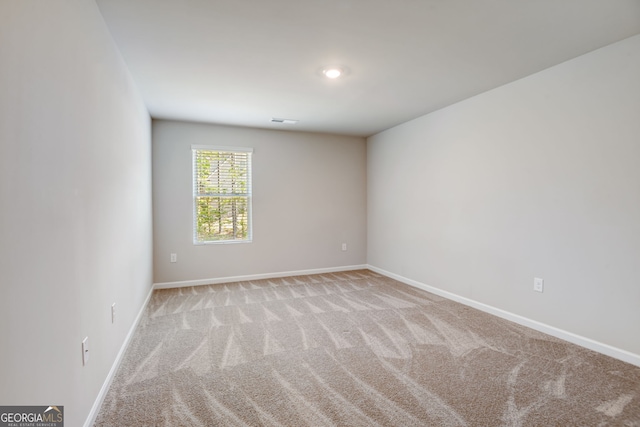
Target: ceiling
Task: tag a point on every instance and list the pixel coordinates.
(242, 62)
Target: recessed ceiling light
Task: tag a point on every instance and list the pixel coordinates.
(333, 71)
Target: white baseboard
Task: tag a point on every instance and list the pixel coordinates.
(214, 281)
(95, 409)
(599, 347)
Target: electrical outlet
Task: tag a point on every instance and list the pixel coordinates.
(113, 313)
(85, 351)
(174, 257)
(344, 246)
(538, 284)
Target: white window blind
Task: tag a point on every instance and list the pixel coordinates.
(221, 194)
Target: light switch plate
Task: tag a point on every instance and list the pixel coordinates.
(85, 351)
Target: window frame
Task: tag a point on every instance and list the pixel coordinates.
(195, 195)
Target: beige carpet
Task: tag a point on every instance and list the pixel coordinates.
(354, 349)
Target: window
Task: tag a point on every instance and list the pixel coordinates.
(221, 194)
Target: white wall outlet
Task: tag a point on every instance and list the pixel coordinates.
(174, 257)
(344, 246)
(113, 313)
(85, 351)
(538, 284)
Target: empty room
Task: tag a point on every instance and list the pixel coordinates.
(337, 213)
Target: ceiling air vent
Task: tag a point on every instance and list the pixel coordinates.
(284, 121)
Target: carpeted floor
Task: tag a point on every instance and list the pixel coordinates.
(354, 349)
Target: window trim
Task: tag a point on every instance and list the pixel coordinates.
(222, 149)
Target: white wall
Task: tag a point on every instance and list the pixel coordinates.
(75, 195)
(538, 178)
(309, 196)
